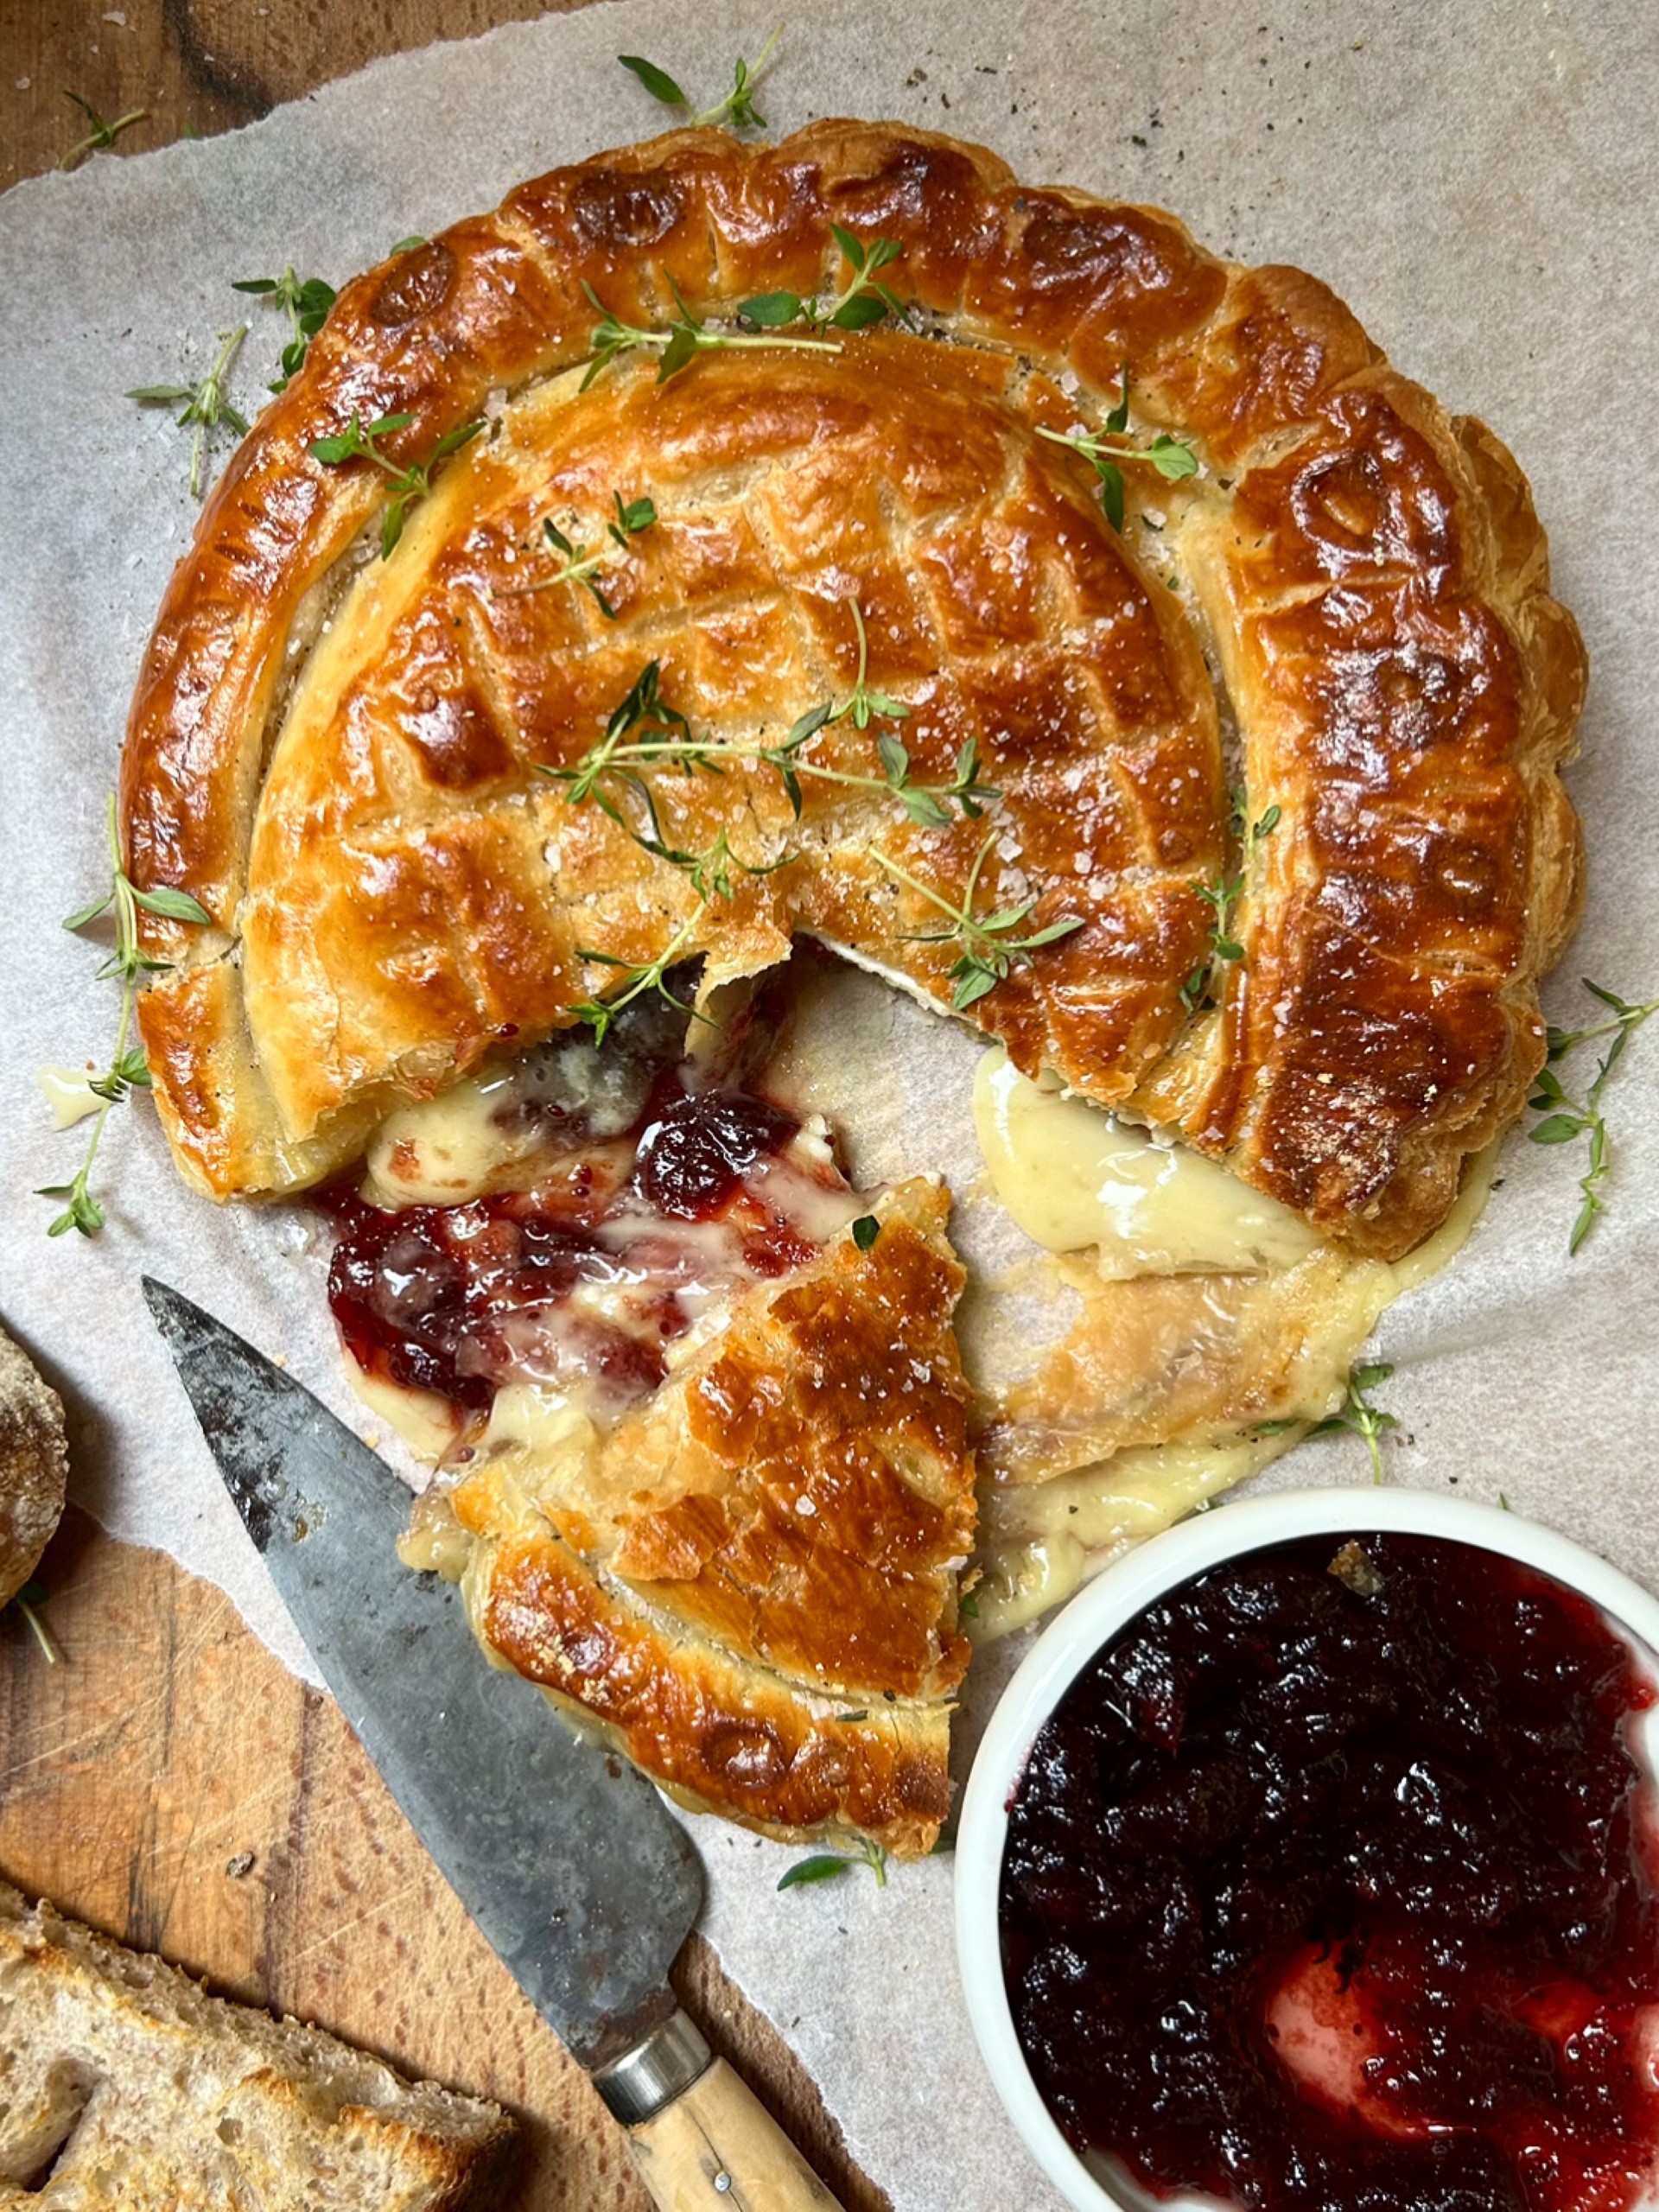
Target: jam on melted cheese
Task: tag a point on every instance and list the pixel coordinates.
(532, 1253)
(546, 1242)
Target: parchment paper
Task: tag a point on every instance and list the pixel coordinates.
(1475, 180)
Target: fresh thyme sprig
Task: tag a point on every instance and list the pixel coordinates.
(860, 302)
(1567, 1118)
(828, 1866)
(361, 442)
(581, 565)
(126, 1070)
(1109, 450)
(644, 735)
(685, 336)
(862, 703)
(1357, 1413)
(102, 134)
(642, 976)
(207, 406)
(1223, 896)
(709, 871)
(304, 301)
(737, 108)
(990, 950)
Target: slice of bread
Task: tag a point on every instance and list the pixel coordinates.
(123, 2084)
(33, 1463)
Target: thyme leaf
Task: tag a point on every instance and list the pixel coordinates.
(1567, 1118)
(1198, 992)
(638, 977)
(737, 108)
(126, 1070)
(581, 563)
(679, 343)
(829, 1866)
(990, 950)
(207, 406)
(102, 134)
(863, 703)
(860, 303)
(361, 442)
(1111, 449)
(304, 301)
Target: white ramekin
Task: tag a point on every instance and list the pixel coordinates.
(1093, 1617)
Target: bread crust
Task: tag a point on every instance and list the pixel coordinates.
(1369, 572)
(137, 2090)
(33, 1467)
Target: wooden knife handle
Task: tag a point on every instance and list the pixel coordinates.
(717, 2148)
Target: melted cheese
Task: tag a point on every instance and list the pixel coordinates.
(428, 1424)
(1073, 1175)
(1040, 1538)
(529, 1417)
(69, 1093)
(443, 1151)
(481, 1133)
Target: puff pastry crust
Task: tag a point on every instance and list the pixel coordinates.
(1346, 612)
(1367, 573)
(749, 1585)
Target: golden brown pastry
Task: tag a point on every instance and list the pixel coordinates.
(1261, 787)
(750, 1581)
(1366, 574)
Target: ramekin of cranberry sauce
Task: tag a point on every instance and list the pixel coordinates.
(1310, 1864)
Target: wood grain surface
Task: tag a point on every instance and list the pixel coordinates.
(168, 1780)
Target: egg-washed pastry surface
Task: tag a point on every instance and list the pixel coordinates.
(389, 874)
(1237, 812)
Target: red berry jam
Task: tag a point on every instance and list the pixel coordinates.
(1330, 1886)
(620, 1236)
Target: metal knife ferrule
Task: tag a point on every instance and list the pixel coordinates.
(639, 2083)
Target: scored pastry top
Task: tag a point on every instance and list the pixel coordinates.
(1345, 611)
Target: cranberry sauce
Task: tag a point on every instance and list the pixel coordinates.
(1329, 1885)
(587, 1273)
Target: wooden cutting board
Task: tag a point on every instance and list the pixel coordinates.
(168, 1780)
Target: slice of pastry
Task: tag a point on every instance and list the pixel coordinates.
(750, 1581)
(701, 1428)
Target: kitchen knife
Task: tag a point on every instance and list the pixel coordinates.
(565, 1857)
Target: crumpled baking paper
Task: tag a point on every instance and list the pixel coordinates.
(1475, 180)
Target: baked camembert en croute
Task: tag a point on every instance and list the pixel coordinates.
(1225, 806)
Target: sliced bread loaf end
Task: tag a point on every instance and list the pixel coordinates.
(124, 2084)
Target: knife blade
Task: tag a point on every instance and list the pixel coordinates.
(566, 1858)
